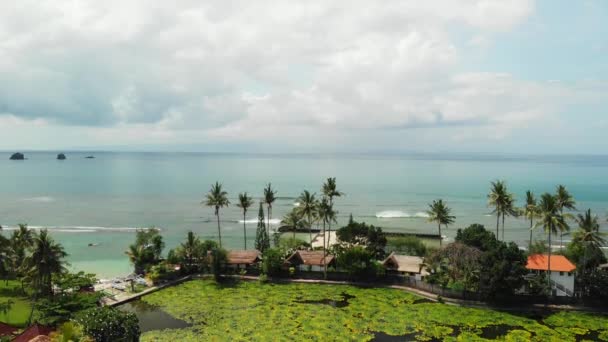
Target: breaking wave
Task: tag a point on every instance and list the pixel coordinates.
(78, 229)
(274, 221)
(400, 214)
(39, 199)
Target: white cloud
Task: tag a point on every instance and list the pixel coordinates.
(189, 71)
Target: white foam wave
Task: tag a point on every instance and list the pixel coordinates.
(272, 221)
(77, 229)
(296, 204)
(39, 199)
(400, 214)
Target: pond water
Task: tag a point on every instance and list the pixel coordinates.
(152, 317)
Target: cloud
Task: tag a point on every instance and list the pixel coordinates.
(191, 71)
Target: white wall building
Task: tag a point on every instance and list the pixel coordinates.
(561, 273)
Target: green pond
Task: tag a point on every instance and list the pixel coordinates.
(202, 310)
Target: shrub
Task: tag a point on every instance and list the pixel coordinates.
(107, 324)
(409, 245)
(272, 261)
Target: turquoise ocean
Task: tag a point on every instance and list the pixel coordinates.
(103, 200)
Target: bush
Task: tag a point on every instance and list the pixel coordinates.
(107, 324)
(358, 261)
(272, 261)
(409, 245)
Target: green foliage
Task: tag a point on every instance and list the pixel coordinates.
(60, 308)
(46, 258)
(502, 270)
(107, 324)
(272, 261)
(291, 244)
(147, 249)
(538, 247)
(262, 240)
(370, 237)
(193, 254)
(408, 245)
(253, 311)
(219, 256)
(476, 236)
(358, 261)
(70, 332)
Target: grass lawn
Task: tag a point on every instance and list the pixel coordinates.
(264, 312)
(20, 310)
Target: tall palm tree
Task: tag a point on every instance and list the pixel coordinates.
(293, 219)
(564, 201)
(330, 191)
(46, 259)
(217, 198)
(269, 198)
(552, 221)
(308, 204)
(530, 211)
(20, 241)
(589, 233)
(326, 215)
(439, 212)
(245, 202)
(497, 198)
(508, 210)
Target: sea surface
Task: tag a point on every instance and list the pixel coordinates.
(102, 201)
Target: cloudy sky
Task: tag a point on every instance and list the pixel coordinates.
(305, 76)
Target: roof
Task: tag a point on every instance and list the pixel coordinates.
(33, 332)
(603, 266)
(7, 329)
(312, 258)
(405, 263)
(559, 263)
(243, 257)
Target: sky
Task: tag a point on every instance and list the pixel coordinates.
(517, 76)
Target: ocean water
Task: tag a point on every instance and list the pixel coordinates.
(103, 200)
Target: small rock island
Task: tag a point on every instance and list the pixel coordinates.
(61, 156)
(17, 156)
(90, 157)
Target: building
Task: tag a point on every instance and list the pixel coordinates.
(310, 260)
(561, 273)
(405, 265)
(35, 332)
(243, 259)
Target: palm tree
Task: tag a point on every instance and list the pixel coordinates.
(294, 220)
(308, 205)
(330, 190)
(589, 233)
(20, 241)
(439, 212)
(564, 201)
(552, 221)
(530, 211)
(46, 259)
(503, 203)
(217, 198)
(245, 202)
(269, 198)
(190, 251)
(497, 199)
(326, 215)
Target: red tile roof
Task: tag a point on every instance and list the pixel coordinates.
(32, 332)
(243, 257)
(559, 263)
(312, 258)
(7, 329)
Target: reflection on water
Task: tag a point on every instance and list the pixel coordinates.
(152, 317)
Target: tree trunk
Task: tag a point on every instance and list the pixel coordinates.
(503, 226)
(219, 231)
(531, 226)
(549, 266)
(440, 237)
(310, 229)
(497, 223)
(245, 228)
(324, 254)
